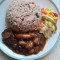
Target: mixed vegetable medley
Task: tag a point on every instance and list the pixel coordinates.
(48, 22)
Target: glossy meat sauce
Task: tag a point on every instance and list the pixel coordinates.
(24, 43)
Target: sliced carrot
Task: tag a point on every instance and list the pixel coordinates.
(41, 25)
(40, 22)
(43, 11)
(44, 22)
(50, 13)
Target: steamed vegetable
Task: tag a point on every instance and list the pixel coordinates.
(41, 25)
(49, 12)
(43, 11)
(47, 19)
(55, 14)
(47, 9)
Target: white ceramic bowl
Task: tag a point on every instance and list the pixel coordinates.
(49, 44)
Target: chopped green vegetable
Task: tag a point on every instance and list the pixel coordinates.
(50, 24)
(52, 14)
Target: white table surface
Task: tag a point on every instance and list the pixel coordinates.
(53, 55)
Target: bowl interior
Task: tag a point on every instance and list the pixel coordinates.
(49, 44)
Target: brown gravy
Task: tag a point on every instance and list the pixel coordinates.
(25, 46)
